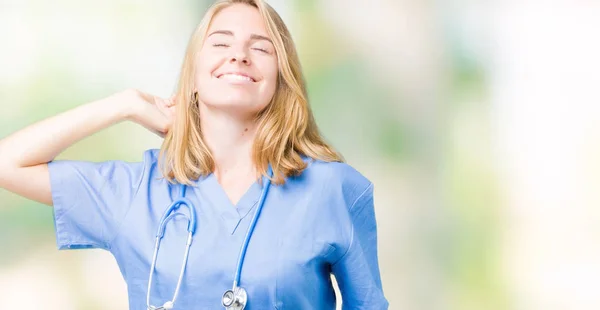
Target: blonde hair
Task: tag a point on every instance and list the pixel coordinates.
(286, 127)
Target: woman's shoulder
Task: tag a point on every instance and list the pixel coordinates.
(335, 171)
(151, 155)
(149, 162)
(317, 174)
(150, 158)
(338, 176)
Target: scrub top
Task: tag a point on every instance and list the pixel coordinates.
(319, 223)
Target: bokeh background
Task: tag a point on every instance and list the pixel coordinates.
(478, 122)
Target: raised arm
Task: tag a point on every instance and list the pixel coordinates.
(24, 154)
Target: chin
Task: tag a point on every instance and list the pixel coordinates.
(236, 106)
(237, 101)
(231, 99)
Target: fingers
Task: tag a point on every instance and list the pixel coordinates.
(172, 101)
(156, 115)
(157, 118)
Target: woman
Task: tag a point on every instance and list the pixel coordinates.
(239, 121)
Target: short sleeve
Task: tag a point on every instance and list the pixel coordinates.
(91, 200)
(357, 271)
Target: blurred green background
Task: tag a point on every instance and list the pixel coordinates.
(477, 121)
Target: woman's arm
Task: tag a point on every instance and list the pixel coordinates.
(357, 271)
(24, 154)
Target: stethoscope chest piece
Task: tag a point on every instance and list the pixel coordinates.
(235, 299)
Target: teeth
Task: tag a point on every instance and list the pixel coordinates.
(236, 77)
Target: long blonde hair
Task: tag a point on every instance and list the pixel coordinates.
(286, 127)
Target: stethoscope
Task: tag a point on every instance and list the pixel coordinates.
(234, 299)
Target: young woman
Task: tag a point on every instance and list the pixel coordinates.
(244, 204)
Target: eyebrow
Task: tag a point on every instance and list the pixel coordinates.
(252, 36)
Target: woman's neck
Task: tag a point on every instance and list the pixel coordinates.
(230, 141)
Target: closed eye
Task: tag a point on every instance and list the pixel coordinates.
(220, 45)
(261, 50)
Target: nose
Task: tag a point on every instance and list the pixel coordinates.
(240, 57)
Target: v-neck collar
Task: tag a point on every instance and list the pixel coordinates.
(213, 193)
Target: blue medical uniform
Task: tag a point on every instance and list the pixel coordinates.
(316, 224)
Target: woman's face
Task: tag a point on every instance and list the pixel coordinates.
(236, 68)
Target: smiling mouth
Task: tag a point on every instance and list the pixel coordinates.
(235, 77)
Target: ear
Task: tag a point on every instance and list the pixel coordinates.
(195, 99)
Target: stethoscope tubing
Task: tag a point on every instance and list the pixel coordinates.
(167, 216)
(169, 213)
(266, 184)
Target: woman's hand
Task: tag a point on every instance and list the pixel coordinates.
(154, 113)
(24, 155)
